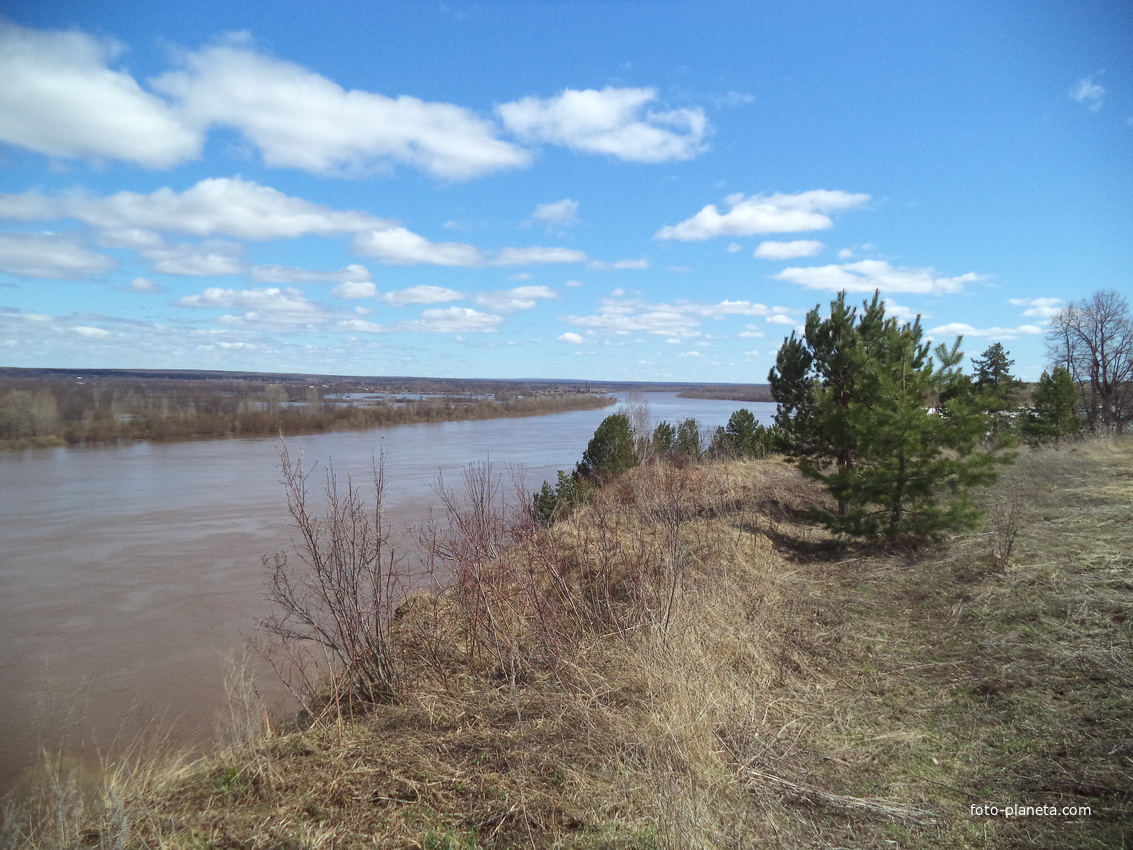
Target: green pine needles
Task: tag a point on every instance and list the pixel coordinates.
(888, 424)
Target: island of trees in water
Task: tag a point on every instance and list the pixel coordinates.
(56, 407)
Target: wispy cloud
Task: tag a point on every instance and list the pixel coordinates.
(512, 300)
(400, 247)
(421, 294)
(788, 250)
(870, 275)
(272, 306)
(355, 289)
(50, 255)
(352, 273)
(453, 320)
(1042, 308)
(562, 213)
(224, 206)
(604, 265)
(536, 255)
(211, 258)
(144, 285)
(1088, 92)
(964, 329)
(620, 315)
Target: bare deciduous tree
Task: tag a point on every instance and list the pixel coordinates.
(1093, 339)
(636, 409)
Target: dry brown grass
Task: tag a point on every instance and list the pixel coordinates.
(685, 663)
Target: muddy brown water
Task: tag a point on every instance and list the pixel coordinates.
(129, 574)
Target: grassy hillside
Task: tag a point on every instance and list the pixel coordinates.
(687, 663)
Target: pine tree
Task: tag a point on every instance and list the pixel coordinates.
(1052, 415)
(664, 438)
(611, 451)
(688, 444)
(867, 409)
(743, 436)
(814, 383)
(996, 389)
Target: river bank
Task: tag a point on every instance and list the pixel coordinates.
(45, 412)
(132, 571)
(728, 675)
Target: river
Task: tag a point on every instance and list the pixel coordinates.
(129, 574)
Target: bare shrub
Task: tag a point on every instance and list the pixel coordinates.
(1002, 523)
(340, 596)
(467, 548)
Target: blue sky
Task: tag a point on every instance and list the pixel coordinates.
(598, 190)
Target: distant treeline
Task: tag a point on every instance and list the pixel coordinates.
(54, 410)
(730, 392)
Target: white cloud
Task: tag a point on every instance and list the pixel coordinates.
(765, 214)
(788, 250)
(88, 331)
(355, 289)
(271, 298)
(362, 326)
(734, 98)
(869, 275)
(1088, 93)
(726, 308)
(537, 255)
(50, 255)
(562, 213)
(572, 338)
(899, 311)
(271, 306)
(602, 265)
(63, 98)
(400, 247)
(143, 284)
(612, 121)
(212, 258)
(750, 332)
(421, 294)
(299, 119)
(353, 273)
(781, 319)
(519, 298)
(453, 320)
(680, 320)
(574, 283)
(1042, 308)
(963, 329)
(60, 97)
(734, 248)
(221, 206)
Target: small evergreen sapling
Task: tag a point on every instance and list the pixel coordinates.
(882, 420)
